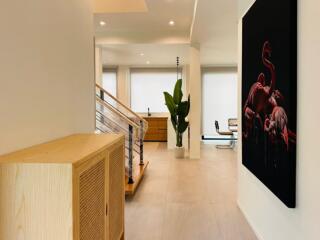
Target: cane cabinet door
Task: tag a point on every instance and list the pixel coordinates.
(116, 192)
(90, 200)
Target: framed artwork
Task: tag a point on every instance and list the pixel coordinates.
(269, 95)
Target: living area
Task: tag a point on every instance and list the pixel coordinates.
(159, 119)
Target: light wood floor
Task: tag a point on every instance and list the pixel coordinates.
(187, 199)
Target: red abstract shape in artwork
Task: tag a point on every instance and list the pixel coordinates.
(264, 107)
(259, 93)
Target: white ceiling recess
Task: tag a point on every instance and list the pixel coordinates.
(151, 26)
(119, 6)
(215, 29)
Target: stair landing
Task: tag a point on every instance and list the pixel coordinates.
(138, 172)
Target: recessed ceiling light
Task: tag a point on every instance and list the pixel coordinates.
(148, 62)
(141, 54)
(102, 23)
(171, 23)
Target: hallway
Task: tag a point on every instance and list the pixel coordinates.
(187, 199)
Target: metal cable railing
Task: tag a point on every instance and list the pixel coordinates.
(112, 116)
(122, 108)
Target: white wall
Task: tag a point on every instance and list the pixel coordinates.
(46, 71)
(269, 217)
(98, 65)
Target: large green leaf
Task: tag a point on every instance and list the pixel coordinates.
(170, 103)
(177, 93)
(182, 126)
(183, 109)
(174, 123)
(179, 110)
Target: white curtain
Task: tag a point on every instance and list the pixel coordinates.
(109, 81)
(147, 87)
(219, 98)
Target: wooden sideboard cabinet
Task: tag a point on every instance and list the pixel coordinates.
(67, 189)
(157, 129)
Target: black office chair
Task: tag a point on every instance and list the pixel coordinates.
(231, 145)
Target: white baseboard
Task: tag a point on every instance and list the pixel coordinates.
(249, 221)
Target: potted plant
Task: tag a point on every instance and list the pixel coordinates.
(179, 110)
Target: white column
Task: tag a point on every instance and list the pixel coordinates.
(185, 78)
(123, 85)
(98, 65)
(195, 109)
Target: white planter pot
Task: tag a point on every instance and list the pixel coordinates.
(179, 152)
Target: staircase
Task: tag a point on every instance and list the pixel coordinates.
(112, 116)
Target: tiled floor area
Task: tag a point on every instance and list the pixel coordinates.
(187, 199)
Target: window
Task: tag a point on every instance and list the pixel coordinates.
(109, 81)
(147, 87)
(219, 98)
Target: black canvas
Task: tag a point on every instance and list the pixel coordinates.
(269, 95)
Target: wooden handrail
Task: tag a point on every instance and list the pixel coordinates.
(130, 122)
(122, 104)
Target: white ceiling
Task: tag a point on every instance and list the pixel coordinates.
(212, 24)
(215, 27)
(156, 54)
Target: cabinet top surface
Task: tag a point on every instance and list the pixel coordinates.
(155, 115)
(71, 149)
(155, 118)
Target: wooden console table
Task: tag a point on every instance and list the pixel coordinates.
(157, 129)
